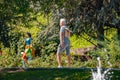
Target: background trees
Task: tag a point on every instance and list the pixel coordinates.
(92, 22)
(85, 17)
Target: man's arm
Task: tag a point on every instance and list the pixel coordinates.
(62, 37)
(67, 33)
(62, 34)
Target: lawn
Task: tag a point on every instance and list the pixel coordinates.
(47, 74)
(54, 74)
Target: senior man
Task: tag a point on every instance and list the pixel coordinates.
(64, 43)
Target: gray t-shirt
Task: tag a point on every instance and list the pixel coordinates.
(62, 30)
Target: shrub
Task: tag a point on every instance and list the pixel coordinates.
(109, 48)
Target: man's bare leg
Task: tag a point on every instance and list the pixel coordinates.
(69, 60)
(59, 60)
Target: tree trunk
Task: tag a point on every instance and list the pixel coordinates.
(100, 36)
(99, 4)
(118, 32)
(118, 29)
(100, 33)
(117, 9)
(100, 29)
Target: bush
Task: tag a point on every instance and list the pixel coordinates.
(109, 48)
(47, 40)
(10, 61)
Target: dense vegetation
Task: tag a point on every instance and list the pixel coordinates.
(93, 22)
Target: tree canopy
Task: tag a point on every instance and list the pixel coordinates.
(90, 17)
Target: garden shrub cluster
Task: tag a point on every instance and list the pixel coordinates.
(49, 60)
(45, 44)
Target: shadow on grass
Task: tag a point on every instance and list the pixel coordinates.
(47, 74)
(53, 74)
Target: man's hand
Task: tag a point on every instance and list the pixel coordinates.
(62, 45)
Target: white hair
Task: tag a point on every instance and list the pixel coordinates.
(63, 20)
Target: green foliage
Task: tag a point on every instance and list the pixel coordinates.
(46, 61)
(111, 48)
(41, 17)
(47, 40)
(9, 61)
(80, 42)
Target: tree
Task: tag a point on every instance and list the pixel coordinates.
(90, 17)
(84, 16)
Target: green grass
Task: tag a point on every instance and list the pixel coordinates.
(48, 74)
(56, 74)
